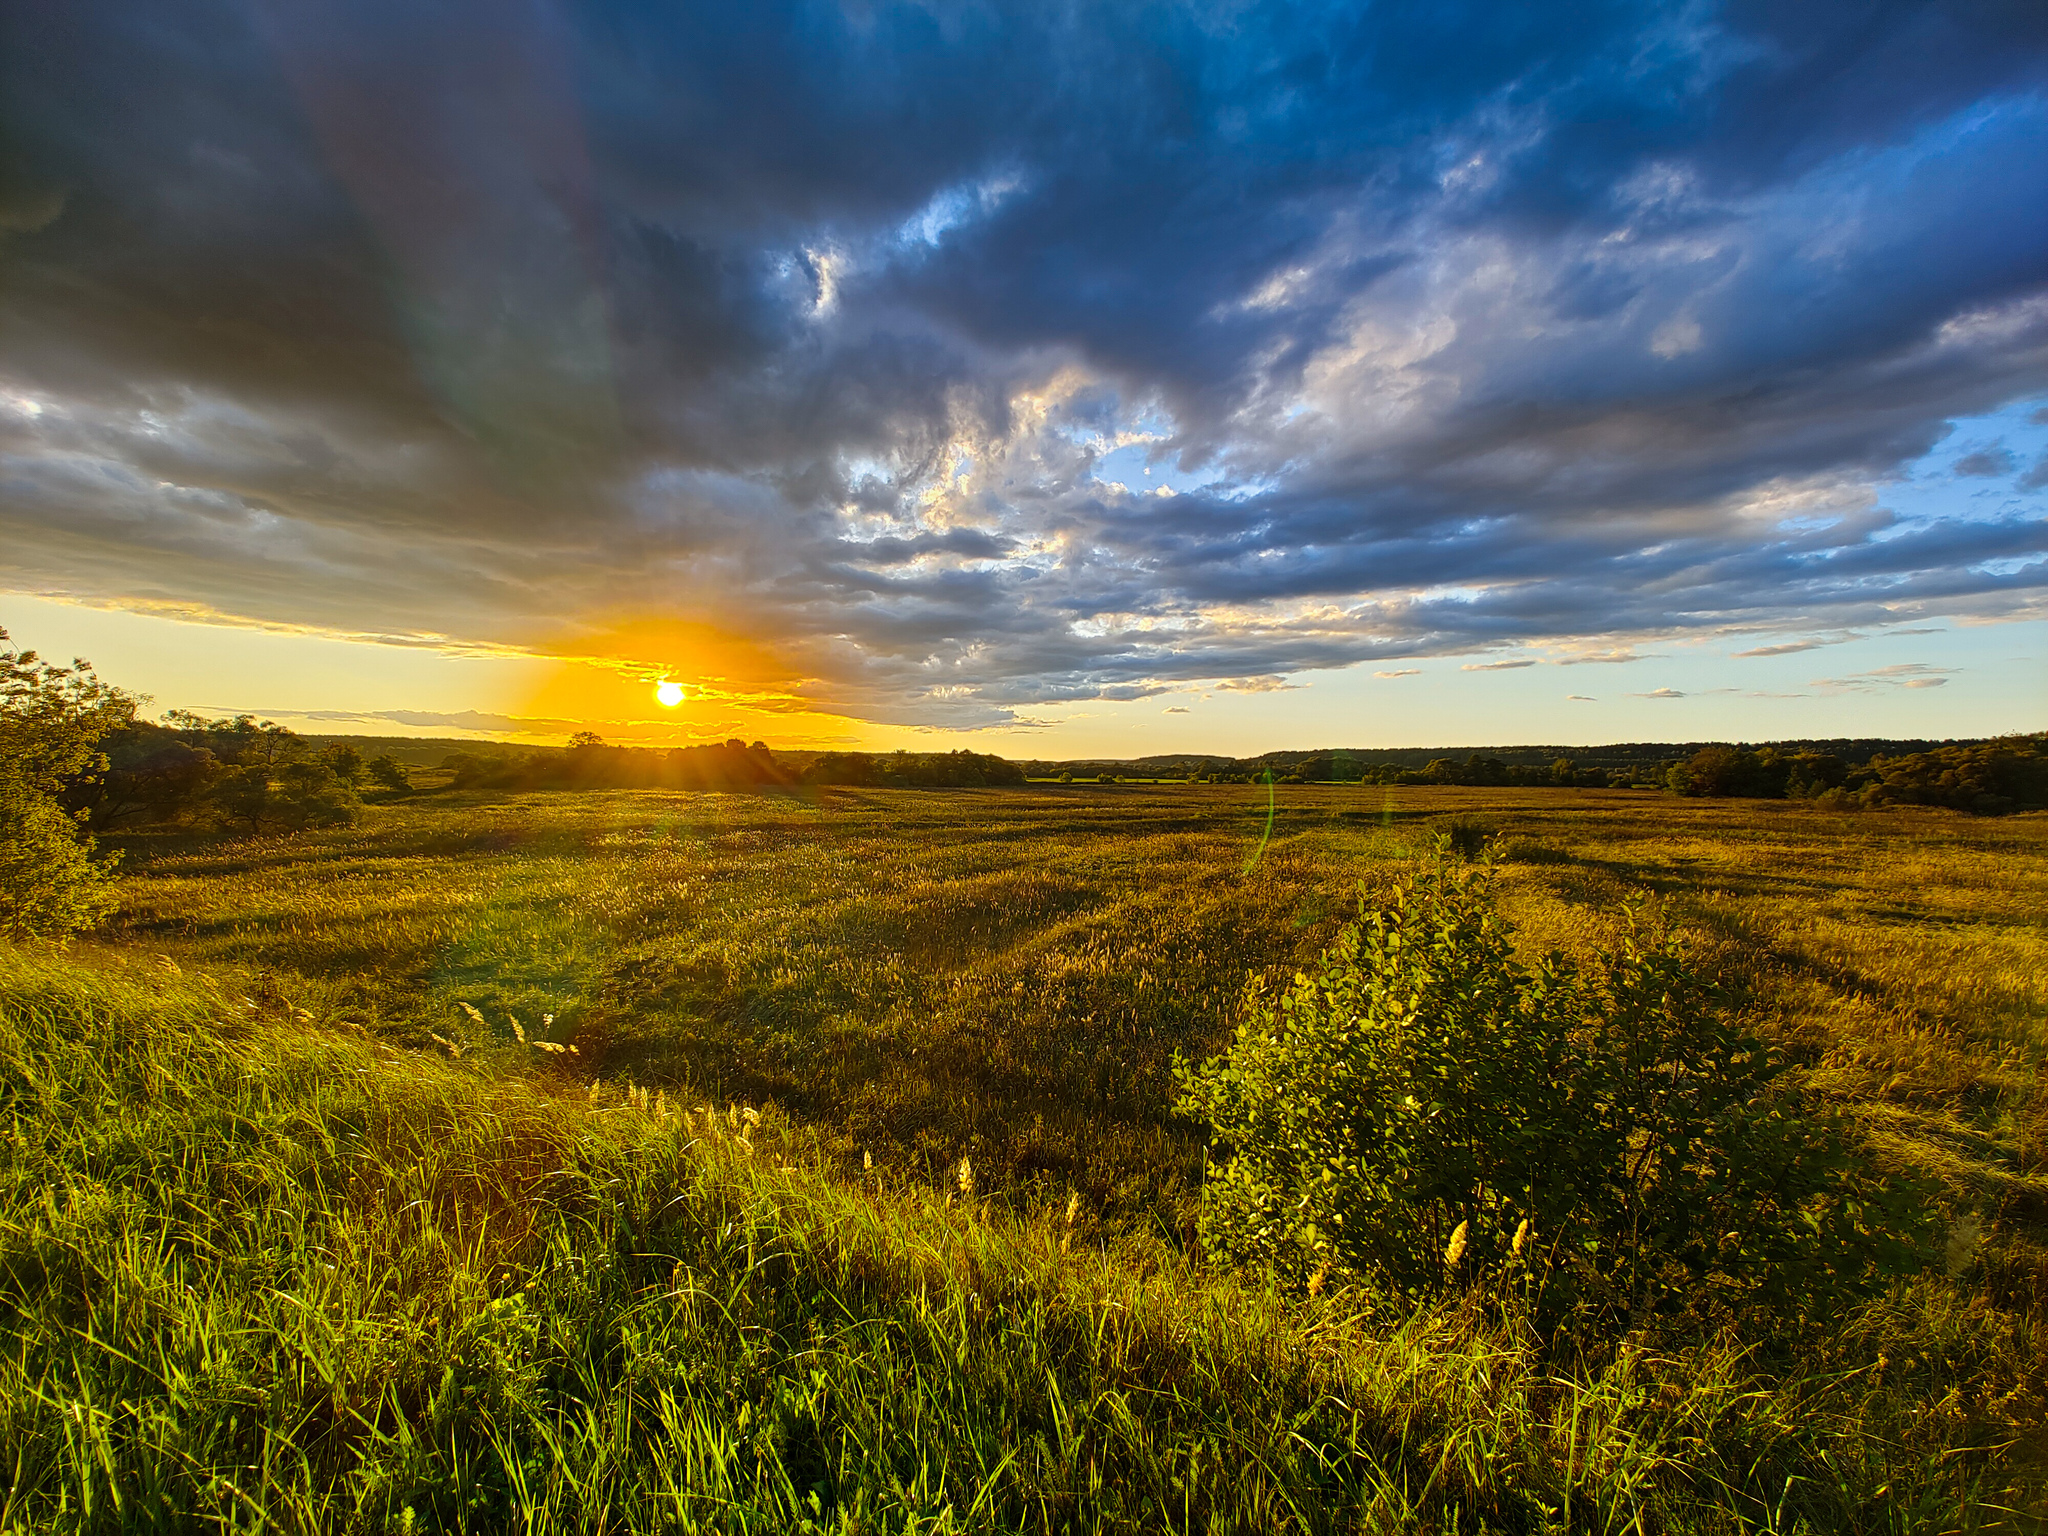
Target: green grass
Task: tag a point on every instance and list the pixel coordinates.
(271, 1259)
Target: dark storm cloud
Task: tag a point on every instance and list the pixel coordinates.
(1453, 329)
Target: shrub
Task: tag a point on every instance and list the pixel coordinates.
(1464, 836)
(387, 772)
(49, 883)
(52, 719)
(1420, 1111)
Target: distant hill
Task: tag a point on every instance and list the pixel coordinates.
(1853, 751)
(432, 751)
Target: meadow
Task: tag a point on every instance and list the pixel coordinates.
(683, 1161)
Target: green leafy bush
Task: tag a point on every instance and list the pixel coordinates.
(52, 719)
(388, 773)
(1420, 1111)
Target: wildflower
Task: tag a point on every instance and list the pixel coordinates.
(1320, 1278)
(1456, 1250)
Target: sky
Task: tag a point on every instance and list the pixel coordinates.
(1052, 380)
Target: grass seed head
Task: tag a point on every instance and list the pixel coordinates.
(1456, 1249)
(1522, 1235)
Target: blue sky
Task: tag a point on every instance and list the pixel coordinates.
(1091, 379)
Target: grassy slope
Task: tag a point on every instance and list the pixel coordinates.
(257, 1252)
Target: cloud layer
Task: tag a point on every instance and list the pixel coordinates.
(813, 327)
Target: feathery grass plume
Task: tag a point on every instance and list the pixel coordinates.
(1522, 1235)
(518, 1030)
(964, 1178)
(751, 1116)
(1455, 1251)
(732, 1116)
(475, 1016)
(1073, 1209)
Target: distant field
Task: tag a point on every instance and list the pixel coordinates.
(909, 977)
(1006, 973)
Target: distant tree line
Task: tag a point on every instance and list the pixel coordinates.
(589, 763)
(1986, 779)
(949, 770)
(243, 775)
(1642, 763)
(733, 765)
(1477, 769)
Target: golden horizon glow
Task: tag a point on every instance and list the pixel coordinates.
(345, 683)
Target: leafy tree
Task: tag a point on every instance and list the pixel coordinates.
(52, 720)
(345, 762)
(310, 793)
(387, 772)
(1989, 779)
(240, 796)
(1420, 1110)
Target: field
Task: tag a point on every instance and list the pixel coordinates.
(299, 1231)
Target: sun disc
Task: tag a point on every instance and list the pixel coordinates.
(668, 694)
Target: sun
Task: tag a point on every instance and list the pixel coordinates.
(668, 694)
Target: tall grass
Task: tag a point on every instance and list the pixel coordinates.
(271, 1258)
(255, 1274)
(263, 1276)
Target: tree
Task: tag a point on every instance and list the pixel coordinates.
(1419, 1110)
(52, 720)
(387, 772)
(345, 762)
(310, 793)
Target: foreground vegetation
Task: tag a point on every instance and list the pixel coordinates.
(860, 1200)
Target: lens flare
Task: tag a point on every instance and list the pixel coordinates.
(668, 694)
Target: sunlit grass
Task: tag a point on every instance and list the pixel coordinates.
(269, 1248)
(261, 1275)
